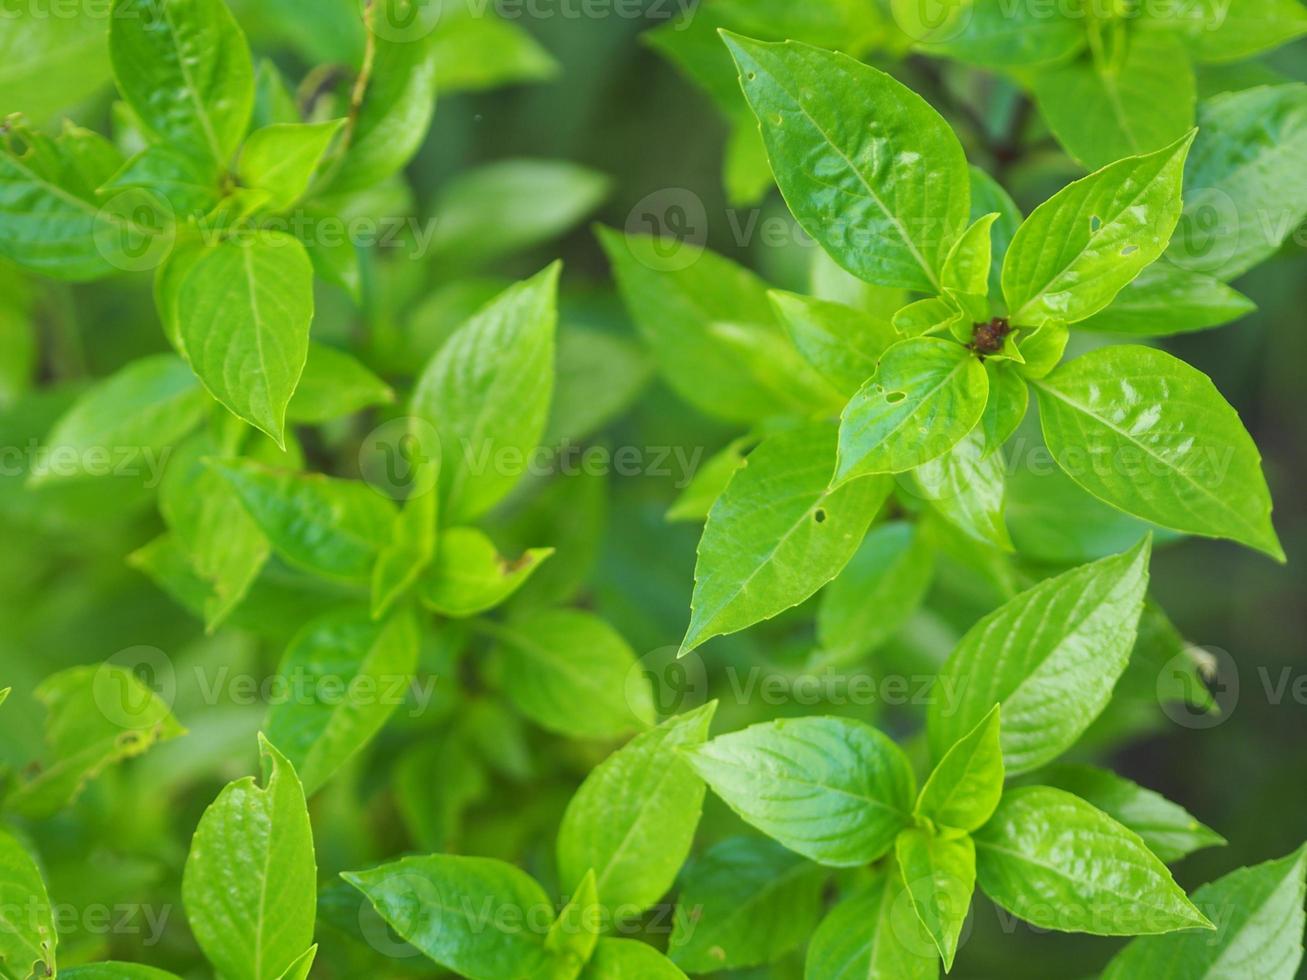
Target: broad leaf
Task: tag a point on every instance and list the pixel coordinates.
(1216, 32)
(1166, 300)
(282, 158)
(873, 935)
(842, 343)
(334, 385)
(993, 34)
(620, 959)
(27, 944)
(470, 577)
(966, 486)
(965, 786)
(939, 875)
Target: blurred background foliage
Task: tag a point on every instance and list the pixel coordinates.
(556, 120)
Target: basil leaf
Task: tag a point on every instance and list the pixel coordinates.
(633, 819)
(832, 126)
(469, 577)
(966, 269)
(927, 394)
(1005, 410)
(1217, 33)
(842, 343)
(244, 309)
(117, 971)
(487, 394)
(1166, 300)
(282, 158)
(746, 902)
(619, 959)
(966, 486)
(993, 34)
(1056, 862)
(345, 675)
(556, 659)
(28, 944)
(333, 385)
(965, 786)
(873, 933)
(832, 789)
(1167, 828)
(1050, 656)
(184, 67)
(475, 916)
(1118, 410)
(1260, 911)
(575, 933)
(939, 875)
(249, 885)
(989, 197)
(777, 534)
(1104, 229)
(483, 51)
(190, 184)
(66, 51)
(710, 482)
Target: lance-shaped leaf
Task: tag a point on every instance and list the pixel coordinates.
(1056, 862)
(869, 169)
(1079, 248)
(250, 882)
(1167, 299)
(619, 959)
(965, 786)
(926, 395)
(633, 819)
(282, 158)
(1009, 400)
(873, 933)
(27, 943)
(478, 917)
(243, 313)
(469, 576)
(993, 34)
(939, 875)
(334, 385)
(344, 674)
(778, 533)
(1259, 912)
(842, 343)
(835, 790)
(575, 933)
(966, 486)
(1051, 657)
(1215, 32)
(1152, 436)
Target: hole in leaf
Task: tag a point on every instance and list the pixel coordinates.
(894, 397)
(1130, 250)
(752, 75)
(1095, 223)
(819, 516)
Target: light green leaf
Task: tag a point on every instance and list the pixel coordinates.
(321, 524)
(1166, 300)
(621, 959)
(932, 315)
(873, 935)
(299, 970)
(601, 374)
(939, 875)
(1104, 230)
(475, 916)
(927, 394)
(96, 716)
(116, 971)
(244, 309)
(1056, 862)
(412, 546)
(184, 67)
(1220, 32)
(746, 902)
(633, 819)
(127, 423)
(190, 184)
(487, 393)
(876, 594)
(1152, 436)
(345, 674)
(282, 158)
(28, 943)
(994, 34)
(470, 577)
(777, 534)
(1136, 100)
(575, 933)
(965, 787)
(1050, 656)
(483, 51)
(572, 673)
(710, 482)
(333, 385)
(869, 169)
(842, 343)
(989, 197)
(966, 486)
(250, 885)
(966, 269)
(66, 52)
(835, 790)
(1259, 911)
(1167, 828)
(1009, 399)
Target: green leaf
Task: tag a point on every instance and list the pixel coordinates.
(1050, 656)
(601, 374)
(244, 309)
(1217, 32)
(620, 959)
(777, 534)
(334, 385)
(487, 394)
(556, 660)
(299, 970)
(746, 902)
(321, 524)
(1166, 300)
(129, 423)
(282, 158)
(66, 50)
(832, 789)
(927, 394)
(1167, 828)
(966, 269)
(933, 315)
(869, 169)
(1104, 229)
(966, 487)
(633, 819)
(965, 787)
(249, 884)
(344, 675)
(1260, 916)
(873, 934)
(1244, 191)
(1137, 100)
(1056, 862)
(989, 197)
(1009, 399)
(484, 51)
(876, 594)
(475, 916)
(117, 971)
(994, 34)
(1152, 436)
(939, 875)
(184, 67)
(189, 184)
(575, 933)
(470, 577)
(710, 482)
(53, 222)
(413, 540)
(842, 343)
(96, 716)
(28, 943)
